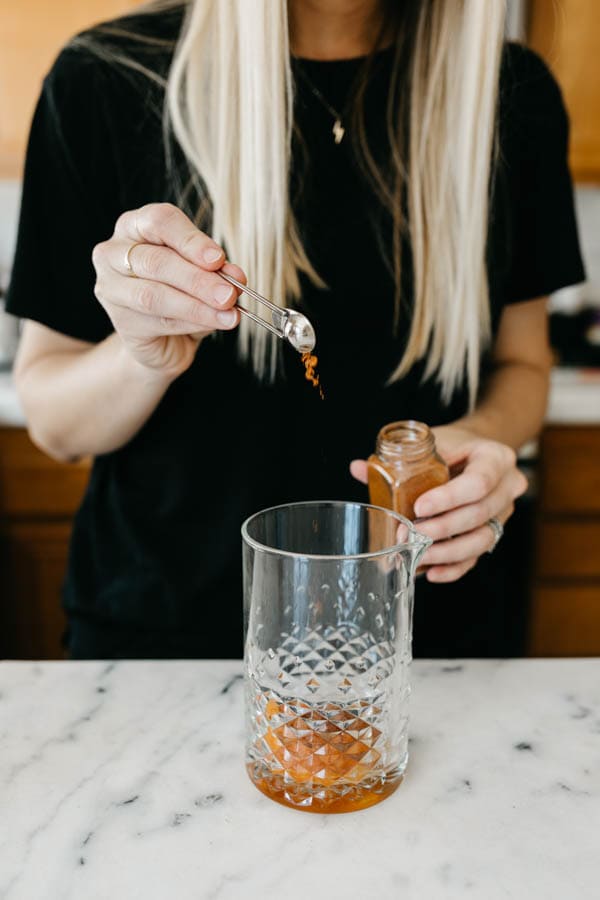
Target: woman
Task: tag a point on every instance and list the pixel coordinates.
(391, 169)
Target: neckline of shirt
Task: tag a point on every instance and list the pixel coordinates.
(344, 62)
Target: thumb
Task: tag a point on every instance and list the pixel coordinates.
(358, 470)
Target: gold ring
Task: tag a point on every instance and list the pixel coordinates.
(128, 267)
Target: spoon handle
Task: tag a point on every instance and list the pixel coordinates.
(287, 324)
(278, 315)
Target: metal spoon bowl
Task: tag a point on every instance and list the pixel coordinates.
(288, 324)
(299, 332)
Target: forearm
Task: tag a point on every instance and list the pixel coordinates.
(89, 402)
(513, 404)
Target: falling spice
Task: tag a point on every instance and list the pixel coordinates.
(310, 366)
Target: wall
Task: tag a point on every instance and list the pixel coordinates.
(10, 192)
(588, 215)
(566, 33)
(588, 205)
(32, 33)
(28, 49)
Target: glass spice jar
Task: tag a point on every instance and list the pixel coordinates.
(404, 466)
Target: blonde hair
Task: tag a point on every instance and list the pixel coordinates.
(230, 105)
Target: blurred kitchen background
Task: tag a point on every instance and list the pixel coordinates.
(553, 546)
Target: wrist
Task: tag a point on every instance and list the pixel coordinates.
(479, 424)
(155, 379)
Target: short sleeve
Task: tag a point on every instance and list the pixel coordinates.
(69, 203)
(545, 253)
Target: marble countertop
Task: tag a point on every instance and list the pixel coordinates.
(126, 780)
(574, 399)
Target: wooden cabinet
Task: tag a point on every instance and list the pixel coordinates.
(567, 35)
(32, 33)
(565, 618)
(38, 498)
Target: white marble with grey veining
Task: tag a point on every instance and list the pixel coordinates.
(126, 781)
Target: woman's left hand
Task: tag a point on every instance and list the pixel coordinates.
(455, 514)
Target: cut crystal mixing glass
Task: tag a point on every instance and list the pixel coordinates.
(328, 596)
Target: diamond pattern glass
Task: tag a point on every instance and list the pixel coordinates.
(328, 608)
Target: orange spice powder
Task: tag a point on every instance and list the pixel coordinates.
(310, 372)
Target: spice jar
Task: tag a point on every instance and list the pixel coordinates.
(404, 466)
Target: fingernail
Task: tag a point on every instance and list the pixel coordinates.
(423, 508)
(223, 293)
(212, 254)
(227, 318)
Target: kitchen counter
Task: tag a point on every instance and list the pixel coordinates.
(127, 781)
(574, 399)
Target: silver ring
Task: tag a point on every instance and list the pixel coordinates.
(128, 267)
(497, 530)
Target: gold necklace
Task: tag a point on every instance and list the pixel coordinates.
(338, 129)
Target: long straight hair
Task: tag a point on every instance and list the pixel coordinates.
(229, 101)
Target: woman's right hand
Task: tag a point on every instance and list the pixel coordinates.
(176, 298)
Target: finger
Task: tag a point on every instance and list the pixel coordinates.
(163, 223)
(485, 468)
(444, 574)
(449, 560)
(235, 272)
(460, 549)
(131, 324)
(358, 470)
(467, 518)
(161, 302)
(152, 262)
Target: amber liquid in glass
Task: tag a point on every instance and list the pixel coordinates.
(321, 762)
(404, 466)
(362, 798)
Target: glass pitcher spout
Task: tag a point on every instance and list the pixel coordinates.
(410, 543)
(415, 544)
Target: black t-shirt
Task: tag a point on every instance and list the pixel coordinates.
(155, 556)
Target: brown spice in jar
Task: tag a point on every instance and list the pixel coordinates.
(404, 466)
(391, 492)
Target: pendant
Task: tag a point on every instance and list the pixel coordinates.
(338, 131)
